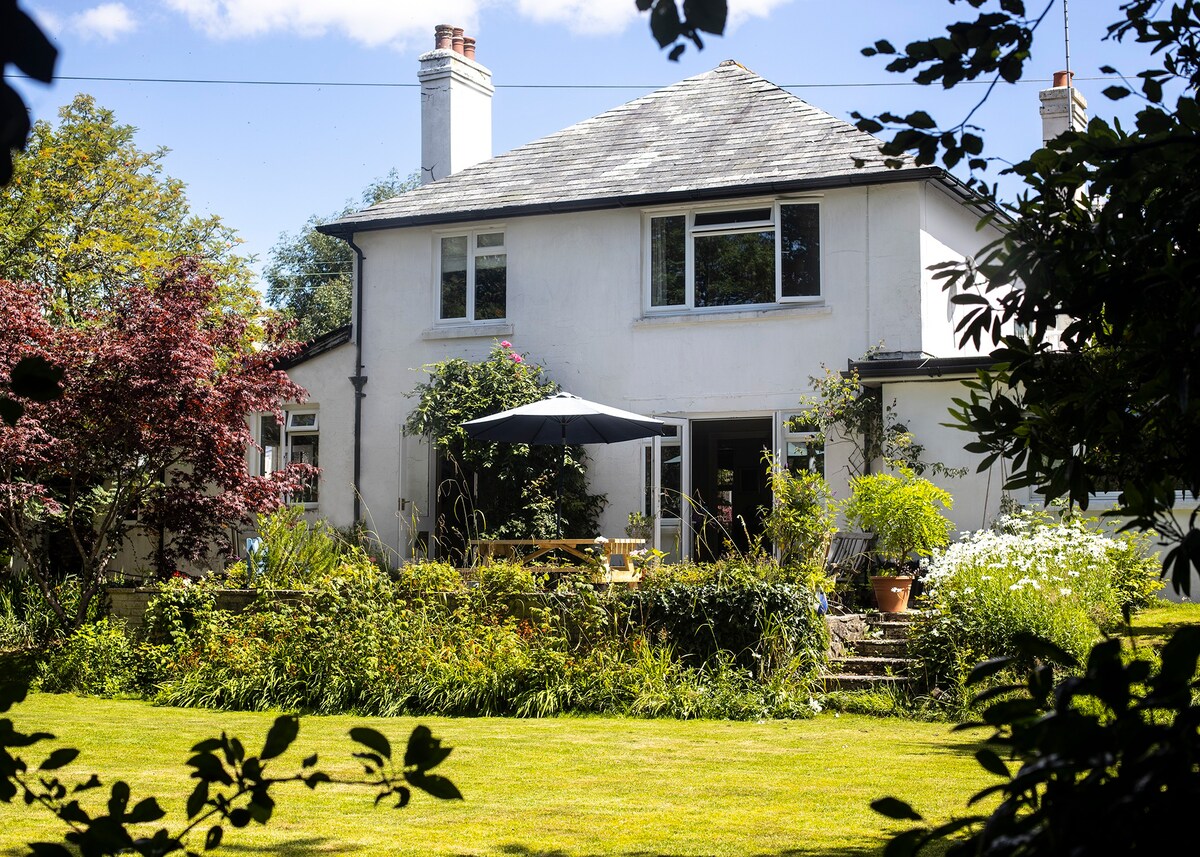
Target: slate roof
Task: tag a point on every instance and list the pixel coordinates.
(726, 132)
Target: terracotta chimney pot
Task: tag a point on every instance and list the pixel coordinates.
(443, 36)
(457, 44)
(468, 47)
(1063, 78)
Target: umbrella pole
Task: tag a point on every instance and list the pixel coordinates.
(562, 465)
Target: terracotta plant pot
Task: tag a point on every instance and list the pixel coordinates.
(891, 593)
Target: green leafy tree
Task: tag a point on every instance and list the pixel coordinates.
(309, 275)
(87, 211)
(1097, 391)
(498, 490)
(1099, 388)
(800, 520)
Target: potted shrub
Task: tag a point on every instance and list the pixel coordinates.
(905, 513)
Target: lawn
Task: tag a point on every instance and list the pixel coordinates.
(563, 786)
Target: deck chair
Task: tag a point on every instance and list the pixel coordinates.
(848, 557)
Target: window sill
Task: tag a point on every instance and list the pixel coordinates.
(716, 316)
(468, 331)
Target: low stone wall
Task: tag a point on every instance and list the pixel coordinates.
(130, 604)
(845, 630)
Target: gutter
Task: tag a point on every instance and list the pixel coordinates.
(358, 379)
(919, 368)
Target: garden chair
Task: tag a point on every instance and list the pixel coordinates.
(848, 558)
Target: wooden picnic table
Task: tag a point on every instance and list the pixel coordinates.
(531, 549)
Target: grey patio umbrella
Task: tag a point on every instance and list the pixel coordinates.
(563, 419)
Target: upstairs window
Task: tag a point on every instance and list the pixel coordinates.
(473, 277)
(747, 256)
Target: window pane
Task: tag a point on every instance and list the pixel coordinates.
(490, 239)
(669, 480)
(268, 436)
(491, 282)
(304, 450)
(454, 277)
(667, 261)
(735, 269)
(806, 455)
(800, 250)
(720, 218)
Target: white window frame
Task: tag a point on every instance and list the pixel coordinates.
(473, 252)
(289, 428)
(691, 230)
(787, 435)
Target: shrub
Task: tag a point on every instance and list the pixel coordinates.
(295, 552)
(179, 608)
(800, 520)
(904, 512)
(760, 625)
(426, 577)
(1066, 582)
(99, 659)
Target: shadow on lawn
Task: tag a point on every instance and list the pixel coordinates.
(305, 846)
(871, 850)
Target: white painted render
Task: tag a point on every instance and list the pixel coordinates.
(577, 305)
(456, 113)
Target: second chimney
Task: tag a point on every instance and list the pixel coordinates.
(456, 106)
(1063, 108)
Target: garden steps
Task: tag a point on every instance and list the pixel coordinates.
(877, 662)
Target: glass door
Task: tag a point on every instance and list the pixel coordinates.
(665, 478)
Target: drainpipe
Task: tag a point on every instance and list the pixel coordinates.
(358, 379)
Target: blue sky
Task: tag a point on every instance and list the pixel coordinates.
(266, 157)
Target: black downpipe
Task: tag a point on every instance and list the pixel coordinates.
(358, 379)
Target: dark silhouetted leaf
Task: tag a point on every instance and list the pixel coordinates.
(283, 732)
(373, 739)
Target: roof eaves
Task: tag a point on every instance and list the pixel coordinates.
(346, 228)
(315, 347)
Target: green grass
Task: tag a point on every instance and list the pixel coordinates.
(562, 787)
(1153, 625)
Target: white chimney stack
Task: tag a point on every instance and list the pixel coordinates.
(1063, 108)
(456, 106)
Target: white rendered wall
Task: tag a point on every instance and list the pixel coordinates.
(922, 407)
(948, 234)
(575, 305)
(330, 394)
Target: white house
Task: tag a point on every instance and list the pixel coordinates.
(695, 254)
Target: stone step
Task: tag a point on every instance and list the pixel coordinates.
(843, 681)
(871, 666)
(893, 647)
(891, 630)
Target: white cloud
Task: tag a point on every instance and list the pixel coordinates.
(405, 23)
(371, 22)
(590, 17)
(741, 11)
(108, 21)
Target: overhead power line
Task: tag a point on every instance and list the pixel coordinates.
(396, 85)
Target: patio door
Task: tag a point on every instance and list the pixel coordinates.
(666, 481)
(414, 504)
